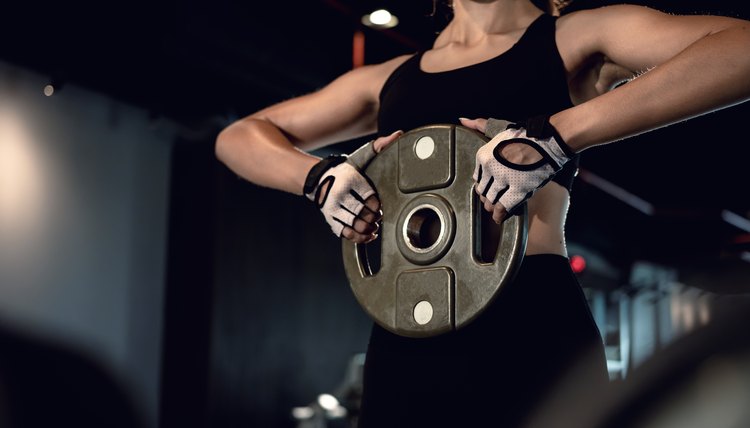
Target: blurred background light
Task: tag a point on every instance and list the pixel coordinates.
(380, 18)
(328, 401)
(22, 191)
(577, 263)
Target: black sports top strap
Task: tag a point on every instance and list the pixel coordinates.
(527, 80)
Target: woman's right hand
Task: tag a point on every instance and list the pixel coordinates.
(347, 198)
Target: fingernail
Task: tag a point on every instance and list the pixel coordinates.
(462, 119)
(397, 132)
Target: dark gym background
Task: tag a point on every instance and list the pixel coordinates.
(199, 299)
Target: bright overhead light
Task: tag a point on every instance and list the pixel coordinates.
(328, 401)
(380, 18)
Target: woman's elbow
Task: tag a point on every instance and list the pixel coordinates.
(228, 139)
(222, 143)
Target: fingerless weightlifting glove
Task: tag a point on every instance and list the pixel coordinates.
(508, 183)
(339, 188)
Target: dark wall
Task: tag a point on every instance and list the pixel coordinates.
(260, 317)
(285, 323)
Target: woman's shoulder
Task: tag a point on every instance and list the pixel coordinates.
(595, 15)
(581, 35)
(381, 73)
(597, 22)
(633, 36)
(388, 67)
(369, 79)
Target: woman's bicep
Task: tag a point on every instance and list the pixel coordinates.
(344, 109)
(639, 38)
(341, 110)
(636, 38)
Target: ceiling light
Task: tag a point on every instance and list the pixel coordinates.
(380, 18)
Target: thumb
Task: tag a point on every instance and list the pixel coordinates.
(476, 124)
(383, 142)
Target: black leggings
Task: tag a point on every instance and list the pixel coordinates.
(493, 371)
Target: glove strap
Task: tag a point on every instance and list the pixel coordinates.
(317, 171)
(540, 128)
(362, 157)
(496, 126)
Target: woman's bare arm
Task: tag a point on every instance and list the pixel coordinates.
(268, 147)
(692, 65)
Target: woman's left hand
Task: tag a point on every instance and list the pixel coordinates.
(497, 210)
(518, 163)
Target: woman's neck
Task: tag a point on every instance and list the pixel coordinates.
(474, 20)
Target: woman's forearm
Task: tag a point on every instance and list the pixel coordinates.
(712, 73)
(257, 151)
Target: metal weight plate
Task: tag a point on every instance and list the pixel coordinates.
(439, 260)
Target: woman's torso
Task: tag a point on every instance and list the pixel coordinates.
(512, 77)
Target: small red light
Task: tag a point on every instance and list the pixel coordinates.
(577, 263)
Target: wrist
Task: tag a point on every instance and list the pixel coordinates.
(316, 172)
(568, 130)
(543, 128)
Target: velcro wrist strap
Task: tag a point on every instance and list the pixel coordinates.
(317, 171)
(496, 126)
(362, 157)
(539, 127)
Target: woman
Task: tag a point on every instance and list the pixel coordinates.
(504, 59)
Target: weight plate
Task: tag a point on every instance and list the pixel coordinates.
(439, 260)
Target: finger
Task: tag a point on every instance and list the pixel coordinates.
(356, 237)
(487, 188)
(373, 205)
(478, 171)
(488, 206)
(477, 124)
(351, 207)
(365, 228)
(383, 142)
(499, 213)
(369, 215)
(483, 199)
(478, 190)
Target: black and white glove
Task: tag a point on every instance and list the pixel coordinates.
(339, 188)
(508, 183)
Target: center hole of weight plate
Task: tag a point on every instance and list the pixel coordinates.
(424, 228)
(424, 147)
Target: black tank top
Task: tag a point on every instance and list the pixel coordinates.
(525, 81)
